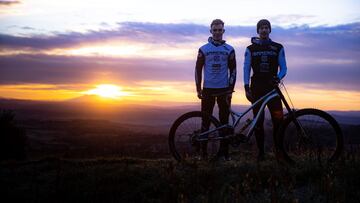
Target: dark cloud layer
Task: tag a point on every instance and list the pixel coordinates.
(70, 70)
(62, 69)
(328, 56)
(178, 33)
(342, 36)
(143, 32)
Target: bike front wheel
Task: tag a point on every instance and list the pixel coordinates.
(184, 136)
(310, 135)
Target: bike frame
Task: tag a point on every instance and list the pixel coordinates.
(236, 116)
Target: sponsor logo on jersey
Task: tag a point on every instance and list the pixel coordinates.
(261, 53)
(216, 53)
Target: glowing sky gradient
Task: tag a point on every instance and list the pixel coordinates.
(57, 50)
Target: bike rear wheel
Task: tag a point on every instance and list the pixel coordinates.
(184, 135)
(310, 135)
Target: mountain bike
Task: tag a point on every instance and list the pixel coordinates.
(305, 134)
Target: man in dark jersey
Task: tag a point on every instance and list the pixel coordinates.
(264, 57)
(216, 61)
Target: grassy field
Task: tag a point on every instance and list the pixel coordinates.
(129, 179)
(102, 161)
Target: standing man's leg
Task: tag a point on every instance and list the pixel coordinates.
(259, 132)
(277, 115)
(224, 103)
(207, 106)
(258, 92)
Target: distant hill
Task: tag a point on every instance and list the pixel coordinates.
(347, 117)
(94, 107)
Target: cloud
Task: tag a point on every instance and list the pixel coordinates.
(328, 76)
(27, 28)
(291, 19)
(327, 56)
(179, 33)
(62, 70)
(140, 32)
(8, 3)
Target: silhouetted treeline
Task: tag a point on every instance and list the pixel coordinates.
(13, 139)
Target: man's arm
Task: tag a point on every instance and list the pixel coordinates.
(232, 69)
(247, 69)
(247, 66)
(282, 64)
(200, 61)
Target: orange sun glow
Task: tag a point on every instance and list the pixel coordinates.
(107, 91)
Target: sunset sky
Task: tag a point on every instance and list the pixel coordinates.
(145, 51)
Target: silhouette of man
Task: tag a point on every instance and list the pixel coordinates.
(216, 61)
(264, 57)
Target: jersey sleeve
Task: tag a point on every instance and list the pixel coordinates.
(282, 64)
(232, 69)
(200, 61)
(247, 66)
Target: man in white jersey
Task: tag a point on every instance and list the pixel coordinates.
(216, 61)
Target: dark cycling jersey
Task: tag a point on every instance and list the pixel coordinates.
(218, 60)
(264, 57)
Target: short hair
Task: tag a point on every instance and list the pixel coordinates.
(217, 22)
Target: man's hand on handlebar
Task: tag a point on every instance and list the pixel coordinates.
(275, 81)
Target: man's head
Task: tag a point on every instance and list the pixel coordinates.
(217, 29)
(263, 28)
